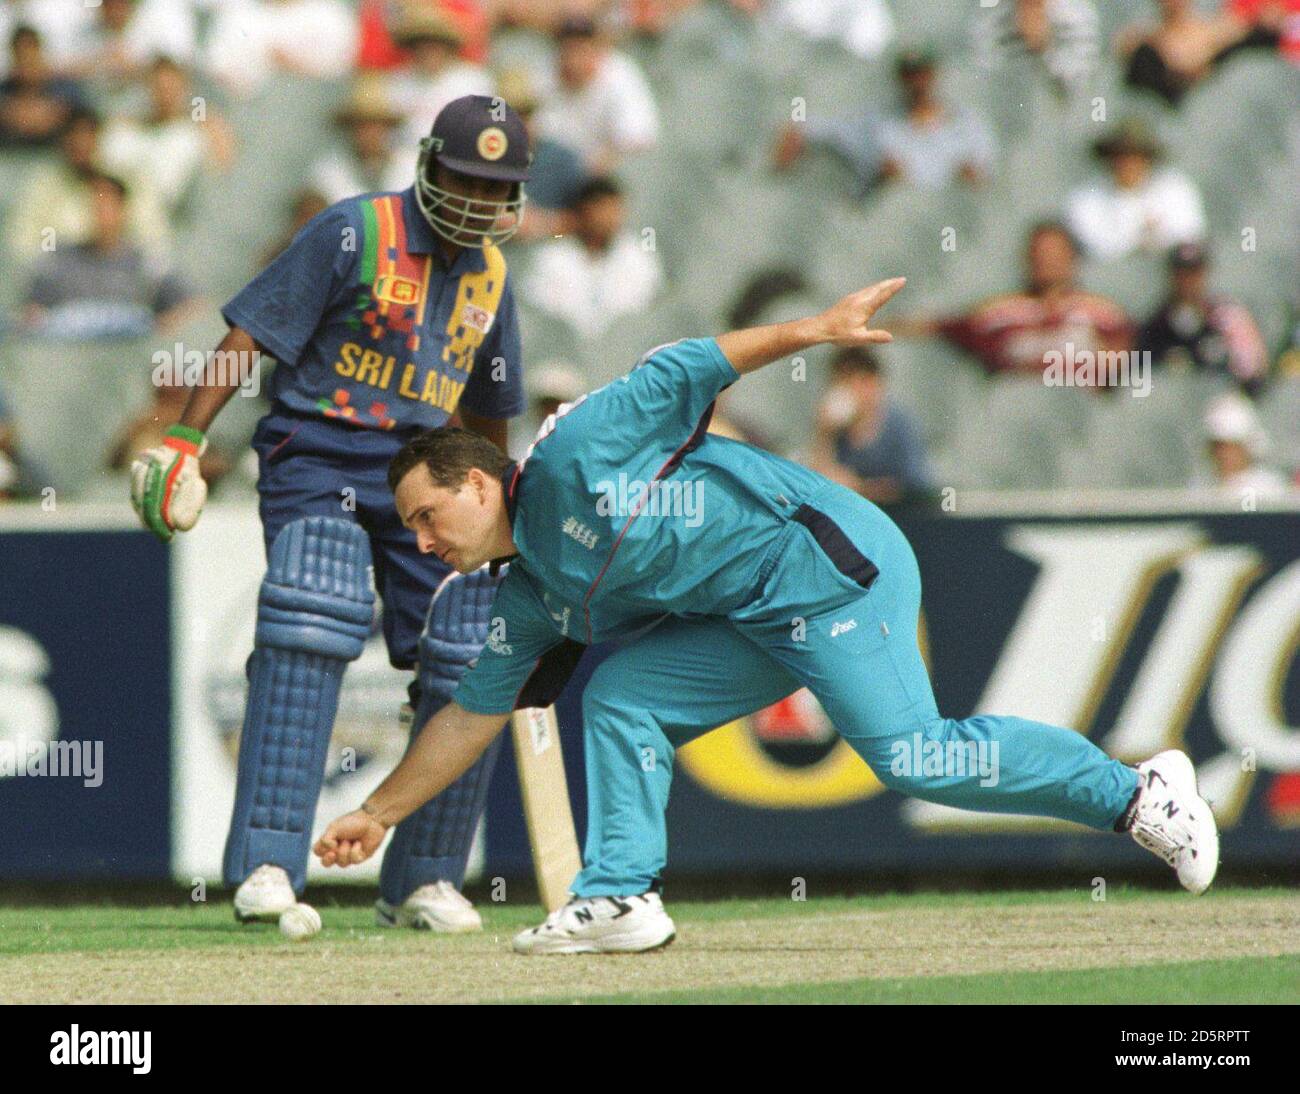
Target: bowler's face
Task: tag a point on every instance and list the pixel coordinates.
(452, 524)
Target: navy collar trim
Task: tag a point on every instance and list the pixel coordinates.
(510, 489)
(510, 495)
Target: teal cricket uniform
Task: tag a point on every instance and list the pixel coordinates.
(754, 576)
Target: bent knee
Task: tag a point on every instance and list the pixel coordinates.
(914, 758)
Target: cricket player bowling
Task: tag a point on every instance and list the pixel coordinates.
(788, 580)
(387, 314)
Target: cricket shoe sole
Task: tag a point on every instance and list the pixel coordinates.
(264, 896)
(605, 924)
(1173, 821)
(437, 907)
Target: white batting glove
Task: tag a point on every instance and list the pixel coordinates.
(167, 490)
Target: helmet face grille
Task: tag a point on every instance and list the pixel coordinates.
(466, 222)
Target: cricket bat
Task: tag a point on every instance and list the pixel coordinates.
(545, 792)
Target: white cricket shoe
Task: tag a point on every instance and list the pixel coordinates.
(439, 906)
(1173, 821)
(265, 895)
(601, 924)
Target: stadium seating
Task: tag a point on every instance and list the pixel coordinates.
(1153, 441)
(1280, 412)
(70, 399)
(721, 215)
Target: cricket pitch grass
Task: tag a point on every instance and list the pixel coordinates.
(1229, 946)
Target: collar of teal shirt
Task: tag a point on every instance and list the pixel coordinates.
(510, 495)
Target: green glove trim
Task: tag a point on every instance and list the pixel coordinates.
(191, 439)
(154, 485)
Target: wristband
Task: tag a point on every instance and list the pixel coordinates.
(186, 439)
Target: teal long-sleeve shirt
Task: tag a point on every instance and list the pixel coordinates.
(625, 510)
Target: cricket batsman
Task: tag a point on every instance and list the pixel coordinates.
(777, 578)
(388, 314)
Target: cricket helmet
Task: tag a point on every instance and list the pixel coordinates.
(482, 137)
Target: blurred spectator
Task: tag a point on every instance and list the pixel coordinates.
(864, 440)
(1059, 36)
(304, 205)
(540, 15)
(1194, 330)
(168, 147)
(105, 287)
(1136, 205)
(761, 291)
(599, 273)
(474, 23)
(930, 146)
(597, 102)
(54, 208)
(126, 35)
(1013, 333)
(35, 104)
(1288, 358)
(933, 144)
(550, 385)
(553, 385)
(436, 75)
(1271, 20)
(556, 175)
(651, 18)
(58, 22)
(1170, 57)
(251, 40)
(724, 30)
(11, 462)
(378, 51)
(863, 27)
(148, 428)
(1237, 445)
(369, 160)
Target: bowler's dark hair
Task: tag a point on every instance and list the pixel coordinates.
(449, 453)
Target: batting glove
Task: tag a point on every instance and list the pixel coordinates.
(167, 490)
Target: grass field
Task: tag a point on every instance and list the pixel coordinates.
(1229, 946)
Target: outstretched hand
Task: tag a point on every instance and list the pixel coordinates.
(845, 323)
(350, 840)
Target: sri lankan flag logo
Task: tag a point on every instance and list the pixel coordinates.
(397, 290)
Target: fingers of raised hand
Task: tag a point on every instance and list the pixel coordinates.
(879, 293)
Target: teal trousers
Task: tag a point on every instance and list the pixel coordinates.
(836, 611)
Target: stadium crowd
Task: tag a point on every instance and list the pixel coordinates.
(1063, 181)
